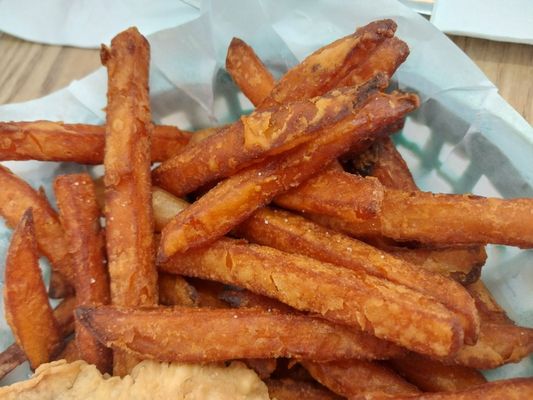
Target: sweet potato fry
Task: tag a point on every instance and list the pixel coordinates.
(508, 389)
(248, 72)
(294, 234)
(175, 291)
(238, 197)
(360, 378)
(27, 309)
(433, 376)
(10, 359)
(128, 207)
(84, 144)
(79, 215)
(208, 335)
(16, 197)
(375, 305)
(288, 389)
(264, 132)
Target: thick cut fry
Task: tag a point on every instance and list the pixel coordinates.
(294, 234)
(353, 378)
(10, 359)
(128, 204)
(375, 305)
(433, 376)
(248, 72)
(84, 144)
(329, 65)
(79, 215)
(508, 389)
(236, 198)
(288, 389)
(264, 132)
(58, 287)
(27, 309)
(16, 196)
(208, 335)
(175, 291)
(70, 352)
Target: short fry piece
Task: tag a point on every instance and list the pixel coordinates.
(176, 291)
(27, 309)
(58, 287)
(10, 359)
(70, 352)
(288, 389)
(263, 367)
(208, 335)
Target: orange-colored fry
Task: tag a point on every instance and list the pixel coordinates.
(236, 198)
(288, 389)
(508, 389)
(248, 72)
(353, 378)
(58, 287)
(70, 352)
(165, 206)
(208, 293)
(208, 335)
(244, 298)
(263, 367)
(258, 135)
(329, 65)
(176, 291)
(27, 309)
(79, 215)
(294, 234)
(16, 196)
(349, 297)
(489, 310)
(202, 134)
(10, 359)
(84, 144)
(434, 376)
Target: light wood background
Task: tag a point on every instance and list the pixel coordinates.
(30, 70)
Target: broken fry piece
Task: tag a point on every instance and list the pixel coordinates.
(288, 389)
(176, 291)
(27, 309)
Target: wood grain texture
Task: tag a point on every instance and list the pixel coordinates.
(31, 70)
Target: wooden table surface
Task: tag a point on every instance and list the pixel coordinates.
(30, 70)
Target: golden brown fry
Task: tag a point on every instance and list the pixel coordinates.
(70, 352)
(27, 309)
(175, 291)
(64, 315)
(16, 196)
(165, 206)
(509, 389)
(10, 359)
(202, 134)
(79, 215)
(208, 293)
(248, 72)
(84, 144)
(294, 234)
(236, 198)
(434, 376)
(489, 310)
(263, 367)
(263, 133)
(128, 204)
(58, 287)
(353, 378)
(207, 335)
(328, 66)
(349, 297)
(288, 389)
(244, 298)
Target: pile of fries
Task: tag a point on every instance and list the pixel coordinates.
(294, 239)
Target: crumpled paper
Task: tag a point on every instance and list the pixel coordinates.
(464, 137)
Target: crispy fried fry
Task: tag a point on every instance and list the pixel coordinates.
(433, 376)
(264, 132)
(349, 297)
(176, 291)
(16, 197)
(263, 367)
(206, 335)
(165, 206)
(208, 293)
(294, 234)
(509, 389)
(70, 352)
(248, 72)
(288, 389)
(489, 310)
(239, 196)
(10, 359)
(27, 309)
(128, 211)
(79, 215)
(84, 144)
(244, 298)
(58, 287)
(353, 378)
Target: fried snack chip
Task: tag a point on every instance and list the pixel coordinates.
(236, 198)
(294, 234)
(83, 144)
(434, 376)
(27, 309)
(508, 389)
(288, 389)
(253, 137)
(203, 334)
(353, 378)
(248, 71)
(16, 197)
(349, 297)
(79, 215)
(176, 291)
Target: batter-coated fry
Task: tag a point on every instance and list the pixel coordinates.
(208, 335)
(84, 144)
